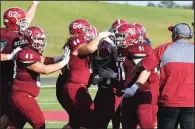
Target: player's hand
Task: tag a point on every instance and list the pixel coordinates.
(105, 34)
(95, 79)
(36, 2)
(11, 56)
(105, 72)
(129, 92)
(66, 57)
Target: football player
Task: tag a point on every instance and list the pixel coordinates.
(116, 24)
(76, 99)
(106, 101)
(142, 33)
(153, 78)
(15, 21)
(63, 76)
(26, 85)
(137, 109)
(133, 109)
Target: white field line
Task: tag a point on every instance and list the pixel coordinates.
(53, 86)
(49, 103)
(58, 122)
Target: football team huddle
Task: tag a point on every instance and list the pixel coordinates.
(111, 60)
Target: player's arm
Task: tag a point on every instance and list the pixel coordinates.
(143, 77)
(30, 13)
(52, 60)
(5, 57)
(90, 47)
(148, 63)
(47, 69)
(47, 60)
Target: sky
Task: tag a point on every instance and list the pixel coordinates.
(144, 3)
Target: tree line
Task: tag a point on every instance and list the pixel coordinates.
(170, 4)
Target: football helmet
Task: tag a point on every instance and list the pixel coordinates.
(103, 55)
(126, 34)
(35, 38)
(142, 32)
(15, 19)
(116, 24)
(94, 32)
(80, 28)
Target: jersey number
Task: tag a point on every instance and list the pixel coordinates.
(29, 56)
(76, 25)
(12, 14)
(141, 48)
(121, 71)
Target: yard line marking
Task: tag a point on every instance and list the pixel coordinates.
(56, 122)
(53, 86)
(48, 103)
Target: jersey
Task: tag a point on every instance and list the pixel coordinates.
(127, 59)
(8, 39)
(26, 80)
(105, 56)
(140, 51)
(79, 66)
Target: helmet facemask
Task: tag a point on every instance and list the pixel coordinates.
(88, 33)
(23, 25)
(120, 40)
(39, 43)
(112, 30)
(124, 40)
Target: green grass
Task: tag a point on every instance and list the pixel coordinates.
(55, 17)
(48, 101)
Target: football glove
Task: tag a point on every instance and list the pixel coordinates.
(11, 56)
(66, 56)
(105, 72)
(129, 92)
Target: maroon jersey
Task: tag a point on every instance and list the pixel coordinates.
(127, 59)
(26, 80)
(124, 65)
(140, 51)
(8, 38)
(79, 65)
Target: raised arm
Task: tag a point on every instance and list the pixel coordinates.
(30, 13)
